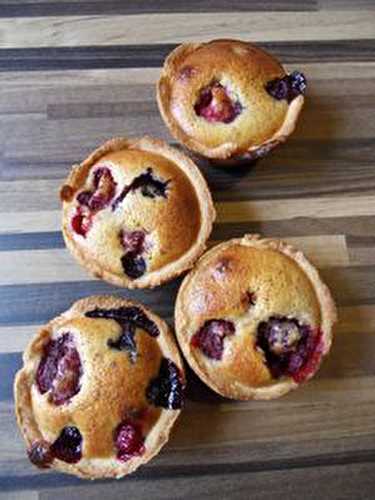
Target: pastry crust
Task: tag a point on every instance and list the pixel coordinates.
(284, 283)
(264, 122)
(102, 397)
(182, 223)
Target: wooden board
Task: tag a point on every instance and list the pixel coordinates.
(77, 72)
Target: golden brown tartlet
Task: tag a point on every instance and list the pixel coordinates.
(136, 213)
(228, 99)
(100, 388)
(253, 318)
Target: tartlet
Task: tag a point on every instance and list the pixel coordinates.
(136, 213)
(229, 99)
(100, 388)
(254, 319)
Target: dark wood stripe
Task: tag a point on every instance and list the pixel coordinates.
(33, 304)
(10, 363)
(113, 7)
(52, 480)
(138, 56)
(38, 303)
(31, 241)
(356, 229)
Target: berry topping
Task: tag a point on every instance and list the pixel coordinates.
(68, 446)
(40, 454)
(167, 389)
(133, 265)
(129, 318)
(82, 221)
(290, 348)
(133, 241)
(287, 87)
(210, 338)
(129, 440)
(215, 105)
(59, 370)
(149, 185)
(126, 341)
(105, 188)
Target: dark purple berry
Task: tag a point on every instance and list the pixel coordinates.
(210, 338)
(287, 345)
(149, 185)
(167, 389)
(59, 370)
(40, 454)
(278, 88)
(288, 87)
(84, 197)
(126, 341)
(129, 318)
(68, 446)
(133, 265)
(298, 82)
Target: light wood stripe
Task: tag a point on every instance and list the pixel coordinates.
(227, 212)
(356, 320)
(173, 28)
(14, 80)
(308, 207)
(57, 265)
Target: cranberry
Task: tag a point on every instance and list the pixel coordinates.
(167, 389)
(129, 440)
(105, 188)
(290, 348)
(40, 454)
(133, 241)
(68, 446)
(59, 370)
(133, 265)
(82, 221)
(287, 87)
(215, 105)
(83, 197)
(149, 185)
(210, 338)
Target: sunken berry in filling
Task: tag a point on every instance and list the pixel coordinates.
(40, 454)
(68, 446)
(129, 318)
(210, 338)
(288, 87)
(129, 440)
(133, 264)
(167, 389)
(290, 348)
(59, 370)
(215, 104)
(92, 201)
(82, 221)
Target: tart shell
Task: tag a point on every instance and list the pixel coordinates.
(92, 468)
(227, 150)
(241, 391)
(169, 271)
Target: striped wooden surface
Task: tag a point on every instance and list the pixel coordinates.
(76, 72)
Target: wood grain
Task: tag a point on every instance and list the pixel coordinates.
(74, 73)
